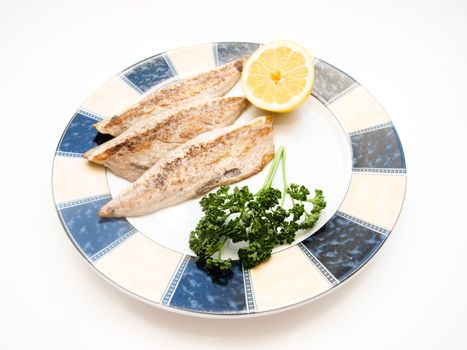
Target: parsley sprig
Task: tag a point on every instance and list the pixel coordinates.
(258, 220)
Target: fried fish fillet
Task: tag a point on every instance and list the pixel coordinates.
(213, 83)
(215, 158)
(130, 154)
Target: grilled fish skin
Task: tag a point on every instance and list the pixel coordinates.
(219, 157)
(213, 83)
(130, 154)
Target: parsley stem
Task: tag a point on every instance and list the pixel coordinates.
(284, 179)
(222, 247)
(273, 169)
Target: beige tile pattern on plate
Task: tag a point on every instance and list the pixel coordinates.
(287, 278)
(76, 178)
(376, 199)
(112, 98)
(141, 266)
(358, 110)
(189, 60)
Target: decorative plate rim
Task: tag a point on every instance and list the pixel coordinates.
(353, 137)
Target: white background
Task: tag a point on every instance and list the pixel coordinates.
(410, 54)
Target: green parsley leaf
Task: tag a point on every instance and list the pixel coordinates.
(258, 220)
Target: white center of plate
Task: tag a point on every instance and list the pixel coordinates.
(318, 156)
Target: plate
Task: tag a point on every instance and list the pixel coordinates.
(340, 140)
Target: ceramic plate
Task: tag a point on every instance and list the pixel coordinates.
(340, 140)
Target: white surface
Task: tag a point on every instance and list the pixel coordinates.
(410, 54)
(310, 127)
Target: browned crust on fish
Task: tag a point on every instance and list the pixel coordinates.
(169, 96)
(164, 178)
(198, 149)
(163, 130)
(266, 159)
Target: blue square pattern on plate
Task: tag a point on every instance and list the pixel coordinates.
(80, 135)
(379, 148)
(150, 72)
(343, 246)
(227, 52)
(201, 292)
(330, 82)
(90, 232)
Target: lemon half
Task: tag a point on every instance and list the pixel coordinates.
(278, 76)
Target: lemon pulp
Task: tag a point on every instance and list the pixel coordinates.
(278, 76)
